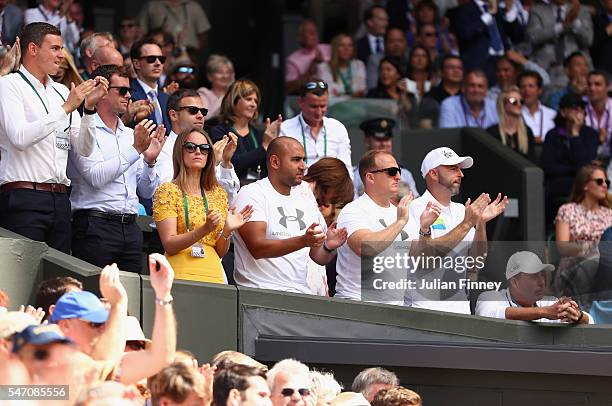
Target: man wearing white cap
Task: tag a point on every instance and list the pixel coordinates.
(524, 298)
(455, 223)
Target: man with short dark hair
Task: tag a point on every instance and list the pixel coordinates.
(38, 127)
(371, 217)
(148, 62)
(286, 227)
(52, 289)
(537, 116)
(599, 109)
(108, 183)
(396, 46)
(320, 136)
(452, 77)
(577, 69)
(376, 21)
(472, 108)
(241, 385)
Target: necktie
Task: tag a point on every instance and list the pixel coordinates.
(494, 38)
(157, 110)
(559, 14)
(379, 45)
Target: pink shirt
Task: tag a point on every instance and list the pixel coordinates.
(211, 101)
(299, 61)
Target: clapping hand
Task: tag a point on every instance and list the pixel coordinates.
(12, 59)
(158, 139)
(99, 91)
(430, 214)
(335, 237)
(37, 313)
(495, 208)
(314, 236)
(403, 208)
(235, 220)
(142, 135)
(110, 285)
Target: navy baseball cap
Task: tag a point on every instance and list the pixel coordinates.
(79, 305)
(39, 335)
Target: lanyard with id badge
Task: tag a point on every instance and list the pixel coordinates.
(62, 139)
(197, 249)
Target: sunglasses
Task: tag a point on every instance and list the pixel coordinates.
(152, 58)
(313, 85)
(193, 110)
(191, 148)
(185, 69)
(123, 90)
(601, 181)
(286, 392)
(392, 171)
(514, 101)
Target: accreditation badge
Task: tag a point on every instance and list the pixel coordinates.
(197, 251)
(62, 140)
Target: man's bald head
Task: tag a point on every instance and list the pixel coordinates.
(280, 145)
(107, 55)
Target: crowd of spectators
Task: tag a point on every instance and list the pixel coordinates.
(96, 129)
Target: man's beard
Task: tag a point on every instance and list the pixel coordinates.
(454, 188)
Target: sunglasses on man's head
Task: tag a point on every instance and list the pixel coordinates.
(185, 69)
(515, 101)
(392, 171)
(122, 90)
(191, 148)
(290, 391)
(601, 181)
(193, 110)
(152, 58)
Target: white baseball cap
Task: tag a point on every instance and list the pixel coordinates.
(525, 262)
(444, 156)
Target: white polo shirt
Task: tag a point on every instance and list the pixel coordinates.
(450, 217)
(285, 217)
(494, 304)
(360, 214)
(331, 141)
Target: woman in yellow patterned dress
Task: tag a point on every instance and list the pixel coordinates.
(191, 212)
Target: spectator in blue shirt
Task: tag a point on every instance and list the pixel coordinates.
(472, 108)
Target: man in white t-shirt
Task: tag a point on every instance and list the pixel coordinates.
(372, 223)
(286, 227)
(457, 227)
(524, 298)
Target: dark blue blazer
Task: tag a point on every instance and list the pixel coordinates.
(363, 49)
(138, 93)
(473, 34)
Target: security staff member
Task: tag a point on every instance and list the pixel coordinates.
(378, 134)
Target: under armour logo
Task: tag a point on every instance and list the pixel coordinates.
(448, 154)
(403, 234)
(299, 215)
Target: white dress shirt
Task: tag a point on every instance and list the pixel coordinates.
(332, 137)
(374, 41)
(227, 178)
(110, 178)
(70, 31)
(541, 122)
(31, 131)
(159, 115)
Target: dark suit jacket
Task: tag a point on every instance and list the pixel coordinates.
(601, 50)
(12, 21)
(138, 93)
(363, 49)
(473, 35)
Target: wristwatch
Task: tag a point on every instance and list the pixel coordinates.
(426, 234)
(87, 111)
(163, 303)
